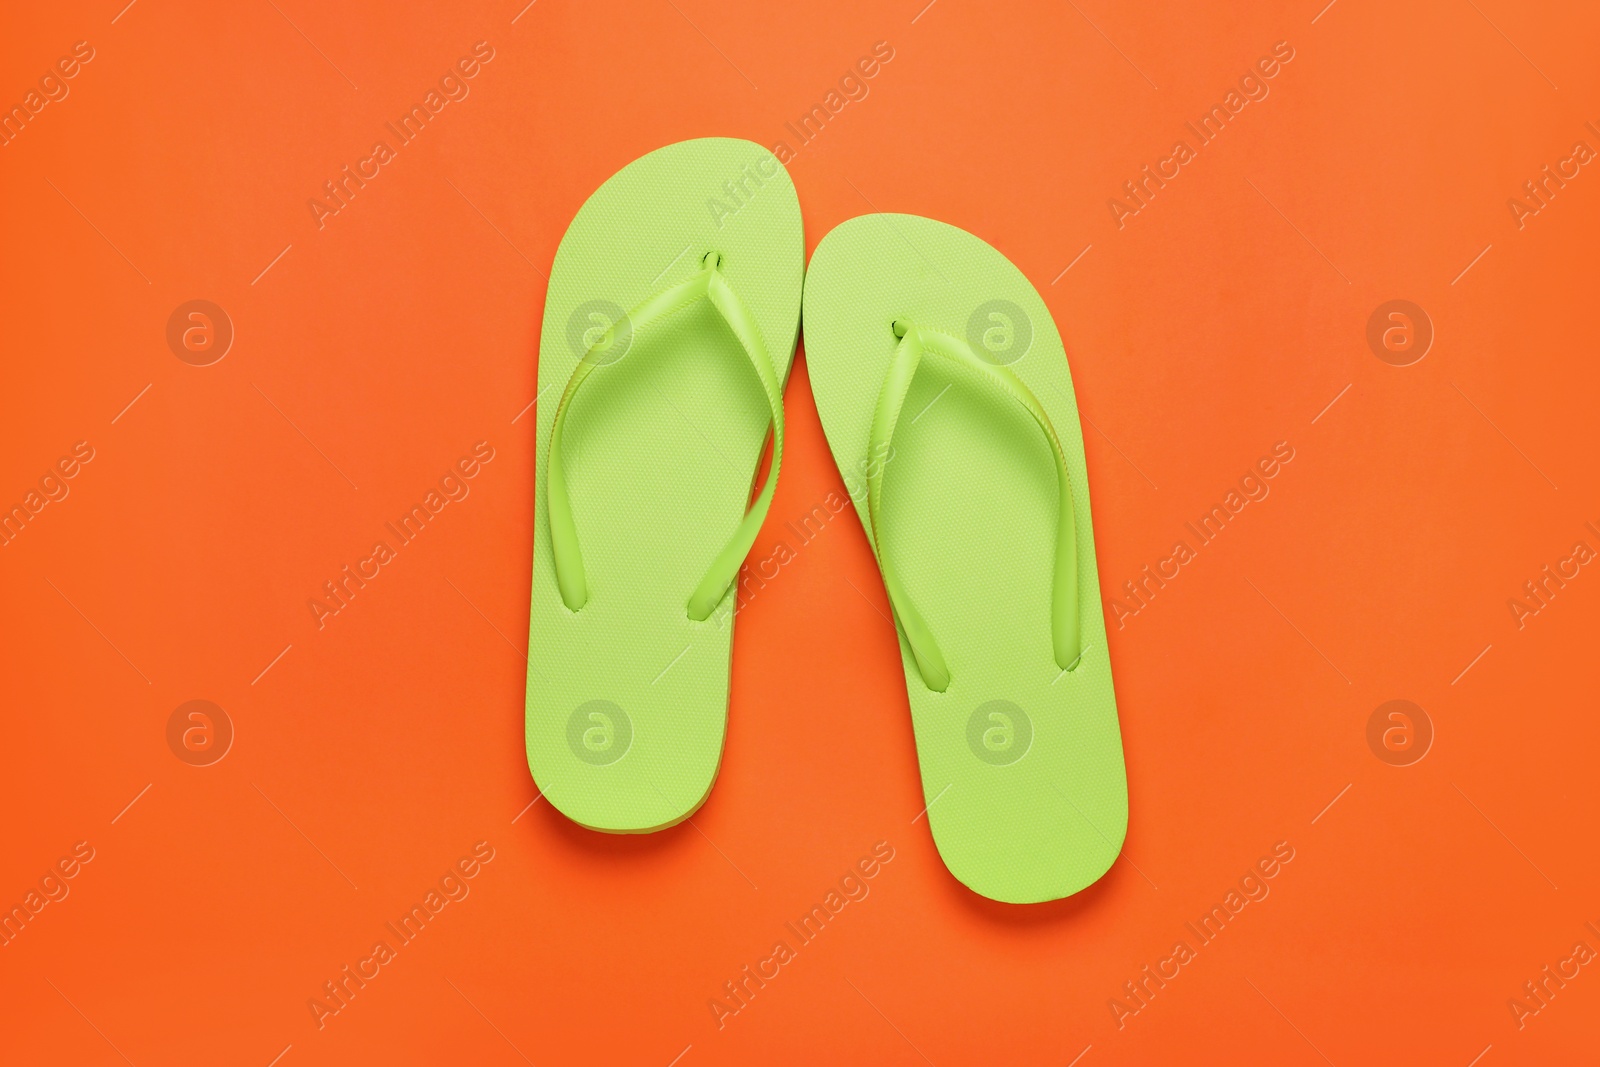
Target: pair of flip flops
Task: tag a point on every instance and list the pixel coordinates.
(670, 326)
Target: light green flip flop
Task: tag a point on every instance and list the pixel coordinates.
(669, 330)
(945, 395)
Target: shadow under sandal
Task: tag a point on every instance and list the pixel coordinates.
(947, 402)
(669, 331)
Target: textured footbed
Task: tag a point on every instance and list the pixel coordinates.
(1022, 764)
(627, 698)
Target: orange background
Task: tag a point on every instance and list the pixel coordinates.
(372, 754)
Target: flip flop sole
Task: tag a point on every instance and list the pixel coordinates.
(1022, 764)
(627, 698)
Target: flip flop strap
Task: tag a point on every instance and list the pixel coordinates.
(914, 342)
(708, 283)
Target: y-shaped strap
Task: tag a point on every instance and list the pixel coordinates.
(914, 341)
(707, 283)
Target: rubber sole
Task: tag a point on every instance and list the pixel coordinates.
(627, 698)
(1022, 763)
